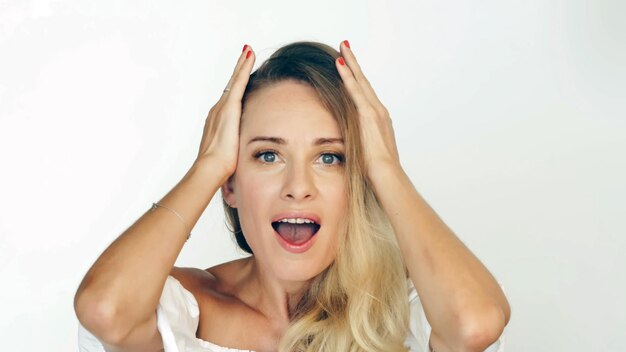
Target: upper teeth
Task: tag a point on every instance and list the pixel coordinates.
(297, 221)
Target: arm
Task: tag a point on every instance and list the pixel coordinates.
(119, 295)
(464, 304)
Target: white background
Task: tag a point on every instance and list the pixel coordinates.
(509, 118)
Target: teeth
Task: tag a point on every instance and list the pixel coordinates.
(297, 221)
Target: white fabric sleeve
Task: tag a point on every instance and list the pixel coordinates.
(177, 315)
(87, 342)
(420, 329)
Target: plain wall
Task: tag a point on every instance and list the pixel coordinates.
(509, 118)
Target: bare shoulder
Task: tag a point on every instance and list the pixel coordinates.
(229, 273)
(194, 280)
(219, 279)
(227, 317)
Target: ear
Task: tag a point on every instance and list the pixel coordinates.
(228, 192)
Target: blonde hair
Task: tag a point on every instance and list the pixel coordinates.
(358, 303)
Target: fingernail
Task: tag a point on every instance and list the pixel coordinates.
(248, 54)
(341, 62)
(244, 48)
(346, 43)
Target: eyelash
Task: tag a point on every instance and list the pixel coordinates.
(338, 156)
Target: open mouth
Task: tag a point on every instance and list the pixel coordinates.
(296, 233)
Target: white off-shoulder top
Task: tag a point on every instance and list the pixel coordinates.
(178, 316)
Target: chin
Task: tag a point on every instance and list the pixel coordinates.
(298, 271)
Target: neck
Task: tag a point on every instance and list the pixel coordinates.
(273, 297)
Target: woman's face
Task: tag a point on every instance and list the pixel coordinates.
(290, 166)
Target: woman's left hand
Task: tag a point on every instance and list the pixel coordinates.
(426, 242)
(377, 136)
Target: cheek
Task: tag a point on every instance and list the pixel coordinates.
(257, 193)
(340, 197)
(337, 201)
(254, 194)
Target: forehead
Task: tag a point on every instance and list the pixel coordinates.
(286, 107)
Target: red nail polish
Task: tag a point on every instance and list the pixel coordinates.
(248, 54)
(346, 43)
(341, 62)
(244, 48)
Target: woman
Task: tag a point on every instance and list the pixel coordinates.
(305, 156)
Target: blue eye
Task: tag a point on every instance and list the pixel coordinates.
(267, 156)
(328, 158)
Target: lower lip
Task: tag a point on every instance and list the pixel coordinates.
(296, 248)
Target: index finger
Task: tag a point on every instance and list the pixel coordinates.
(354, 66)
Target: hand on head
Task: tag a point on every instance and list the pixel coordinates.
(220, 139)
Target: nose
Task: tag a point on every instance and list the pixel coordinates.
(299, 183)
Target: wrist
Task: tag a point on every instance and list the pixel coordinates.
(210, 169)
(383, 170)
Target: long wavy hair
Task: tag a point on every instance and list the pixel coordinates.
(358, 303)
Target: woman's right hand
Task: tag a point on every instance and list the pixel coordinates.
(220, 139)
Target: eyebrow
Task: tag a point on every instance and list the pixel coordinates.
(278, 140)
